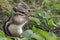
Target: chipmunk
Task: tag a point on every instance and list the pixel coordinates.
(18, 18)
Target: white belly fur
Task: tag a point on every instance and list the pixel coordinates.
(20, 28)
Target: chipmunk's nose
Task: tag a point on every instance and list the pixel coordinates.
(29, 17)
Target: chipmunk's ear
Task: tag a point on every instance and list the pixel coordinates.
(15, 7)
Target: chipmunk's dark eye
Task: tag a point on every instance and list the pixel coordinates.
(22, 12)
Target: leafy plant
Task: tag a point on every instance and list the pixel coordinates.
(45, 16)
(46, 35)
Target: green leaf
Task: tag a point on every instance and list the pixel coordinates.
(27, 33)
(2, 34)
(24, 39)
(51, 36)
(56, 6)
(37, 36)
(58, 38)
(47, 1)
(36, 20)
(40, 32)
(50, 22)
(3, 37)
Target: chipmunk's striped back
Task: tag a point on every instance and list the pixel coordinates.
(5, 26)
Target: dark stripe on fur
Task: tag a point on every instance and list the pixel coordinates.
(4, 25)
(7, 29)
(4, 28)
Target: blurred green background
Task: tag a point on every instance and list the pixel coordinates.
(45, 23)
